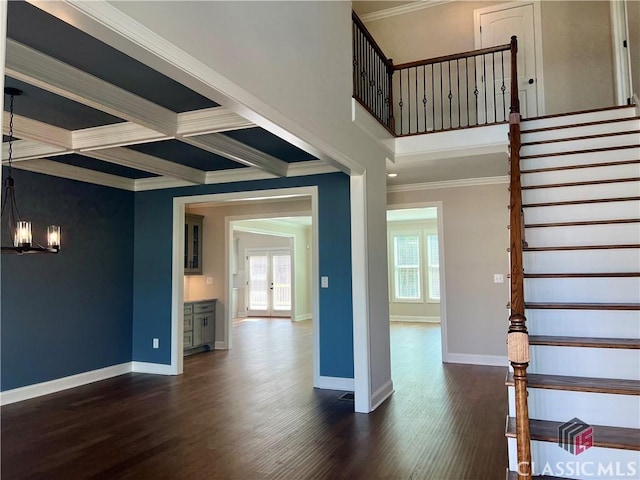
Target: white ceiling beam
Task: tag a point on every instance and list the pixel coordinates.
(148, 163)
(28, 150)
(57, 169)
(210, 120)
(28, 129)
(239, 152)
(115, 135)
(35, 68)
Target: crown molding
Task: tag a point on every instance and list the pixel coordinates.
(465, 182)
(402, 9)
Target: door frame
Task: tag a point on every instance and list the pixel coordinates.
(270, 251)
(443, 292)
(621, 54)
(177, 262)
(537, 41)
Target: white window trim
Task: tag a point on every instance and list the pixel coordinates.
(429, 297)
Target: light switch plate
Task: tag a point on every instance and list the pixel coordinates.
(498, 278)
(324, 282)
(156, 343)
(209, 280)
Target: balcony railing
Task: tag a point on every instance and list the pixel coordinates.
(455, 91)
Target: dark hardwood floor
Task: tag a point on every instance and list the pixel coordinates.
(251, 413)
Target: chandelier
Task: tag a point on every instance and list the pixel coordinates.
(20, 230)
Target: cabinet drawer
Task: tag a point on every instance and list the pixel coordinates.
(203, 307)
(188, 322)
(187, 340)
(188, 309)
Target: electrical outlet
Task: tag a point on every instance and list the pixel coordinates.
(156, 343)
(209, 280)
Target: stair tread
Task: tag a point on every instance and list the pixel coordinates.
(580, 112)
(581, 184)
(603, 435)
(583, 275)
(582, 223)
(592, 342)
(581, 202)
(581, 247)
(581, 137)
(580, 384)
(581, 306)
(579, 166)
(578, 152)
(578, 125)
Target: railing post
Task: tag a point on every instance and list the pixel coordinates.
(518, 336)
(392, 120)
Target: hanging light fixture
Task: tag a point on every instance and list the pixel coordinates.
(20, 230)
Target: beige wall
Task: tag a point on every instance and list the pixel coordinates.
(475, 247)
(214, 249)
(576, 40)
(633, 15)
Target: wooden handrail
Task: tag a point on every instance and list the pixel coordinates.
(370, 39)
(518, 336)
(455, 56)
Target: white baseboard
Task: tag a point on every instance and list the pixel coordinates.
(491, 360)
(304, 316)
(154, 368)
(64, 383)
(414, 319)
(335, 383)
(381, 394)
(220, 345)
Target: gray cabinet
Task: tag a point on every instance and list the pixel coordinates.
(193, 244)
(199, 326)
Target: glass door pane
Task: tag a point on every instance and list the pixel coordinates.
(281, 291)
(258, 282)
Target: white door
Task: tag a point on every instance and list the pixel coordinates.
(269, 283)
(497, 25)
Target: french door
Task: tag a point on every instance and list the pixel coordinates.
(269, 283)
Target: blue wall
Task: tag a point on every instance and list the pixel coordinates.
(72, 312)
(152, 267)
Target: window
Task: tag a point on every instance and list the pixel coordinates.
(433, 266)
(406, 266)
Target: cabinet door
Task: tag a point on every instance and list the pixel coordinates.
(198, 328)
(193, 244)
(209, 330)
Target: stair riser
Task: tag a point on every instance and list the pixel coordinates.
(585, 192)
(583, 261)
(585, 323)
(582, 290)
(581, 175)
(585, 362)
(598, 129)
(579, 118)
(583, 235)
(581, 159)
(592, 408)
(583, 212)
(620, 463)
(582, 144)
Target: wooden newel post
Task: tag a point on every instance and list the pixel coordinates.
(518, 336)
(392, 120)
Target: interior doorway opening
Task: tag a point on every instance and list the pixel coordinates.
(416, 269)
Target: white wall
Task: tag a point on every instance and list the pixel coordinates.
(476, 239)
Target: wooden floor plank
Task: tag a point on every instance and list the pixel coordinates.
(251, 413)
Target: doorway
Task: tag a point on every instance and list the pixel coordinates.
(495, 25)
(269, 282)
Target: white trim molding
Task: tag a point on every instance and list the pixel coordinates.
(153, 368)
(402, 9)
(64, 383)
(469, 359)
(465, 182)
(303, 317)
(381, 394)
(335, 383)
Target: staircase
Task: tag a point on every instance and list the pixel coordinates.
(581, 203)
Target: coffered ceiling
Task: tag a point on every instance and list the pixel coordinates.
(91, 113)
